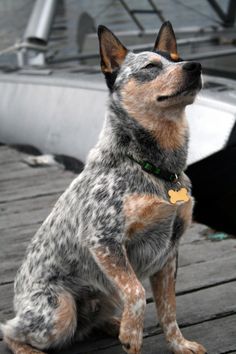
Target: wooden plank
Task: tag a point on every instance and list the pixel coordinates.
(194, 233)
(205, 250)
(17, 206)
(191, 308)
(216, 335)
(208, 274)
(14, 243)
(9, 174)
(24, 218)
(198, 276)
(16, 234)
(8, 155)
(198, 306)
(49, 188)
(6, 306)
(56, 175)
(12, 167)
(206, 279)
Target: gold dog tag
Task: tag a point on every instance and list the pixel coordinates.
(178, 196)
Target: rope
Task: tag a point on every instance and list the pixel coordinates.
(10, 49)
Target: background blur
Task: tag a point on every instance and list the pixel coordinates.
(15, 14)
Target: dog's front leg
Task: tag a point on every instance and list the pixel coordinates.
(163, 287)
(113, 261)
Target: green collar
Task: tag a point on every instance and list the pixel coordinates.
(156, 171)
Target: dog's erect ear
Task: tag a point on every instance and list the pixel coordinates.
(112, 51)
(166, 41)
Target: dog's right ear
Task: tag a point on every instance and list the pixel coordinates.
(112, 51)
(166, 41)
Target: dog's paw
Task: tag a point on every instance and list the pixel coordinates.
(186, 347)
(131, 340)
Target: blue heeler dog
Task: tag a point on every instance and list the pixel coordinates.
(121, 219)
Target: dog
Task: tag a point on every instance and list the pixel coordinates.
(121, 219)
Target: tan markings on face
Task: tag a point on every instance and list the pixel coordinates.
(171, 134)
(66, 316)
(20, 348)
(133, 296)
(142, 211)
(154, 59)
(140, 101)
(174, 56)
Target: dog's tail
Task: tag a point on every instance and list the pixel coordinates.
(14, 338)
(11, 329)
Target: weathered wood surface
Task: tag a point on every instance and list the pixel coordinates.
(206, 285)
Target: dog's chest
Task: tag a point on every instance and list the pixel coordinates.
(143, 211)
(150, 231)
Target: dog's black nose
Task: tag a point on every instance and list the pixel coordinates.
(192, 66)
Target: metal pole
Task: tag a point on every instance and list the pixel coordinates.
(40, 22)
(134, 18)
(231, 13)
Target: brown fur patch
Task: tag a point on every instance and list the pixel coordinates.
(185, 211)
(134, 228)
(66, 316)
(133, 294)
(20, 348)
(143, 210)
(171, 134)
(163, 287)
(122, 276)
(140, 101)
(174, 56)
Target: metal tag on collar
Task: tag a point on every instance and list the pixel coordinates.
(182, 195)
(174, 178)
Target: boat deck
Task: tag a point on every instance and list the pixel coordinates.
(206, 285)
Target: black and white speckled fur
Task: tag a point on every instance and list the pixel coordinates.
(89, 215)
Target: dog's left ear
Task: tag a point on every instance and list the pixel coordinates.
(112, 51)
(166, 41)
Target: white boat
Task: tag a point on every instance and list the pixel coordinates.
(61, 110)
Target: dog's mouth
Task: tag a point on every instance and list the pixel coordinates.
(194, 85)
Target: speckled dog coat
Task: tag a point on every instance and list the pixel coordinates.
(115, 224)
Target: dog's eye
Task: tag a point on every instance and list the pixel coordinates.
(151, 65)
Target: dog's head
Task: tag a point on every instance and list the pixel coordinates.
(149, 80)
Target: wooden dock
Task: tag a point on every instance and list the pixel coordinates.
(206, 285)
